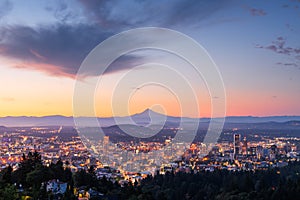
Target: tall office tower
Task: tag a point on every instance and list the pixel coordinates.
(274, 149)
(259, 152)
(244, 146)
(237, 143)
(273, 152)
(104, 158)
(252, 151)
(105, 144)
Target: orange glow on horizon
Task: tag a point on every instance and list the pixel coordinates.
(38, 94)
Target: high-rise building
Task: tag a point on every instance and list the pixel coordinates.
(253, 151)
(274, 149)
(259, 152)
(105, 149)
(236, 143)
(105, 144)
(245, 146)
(273, 152)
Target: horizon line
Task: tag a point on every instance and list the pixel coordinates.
(67, 116)
(150, 110)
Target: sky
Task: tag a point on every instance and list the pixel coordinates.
(255, 45)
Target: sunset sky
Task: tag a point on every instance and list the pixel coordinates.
(255, 44)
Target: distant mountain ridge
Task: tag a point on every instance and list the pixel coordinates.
(144, 118)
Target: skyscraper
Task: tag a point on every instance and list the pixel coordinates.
(105, 145)
(237, 143)
(253, 151)
(245, 147)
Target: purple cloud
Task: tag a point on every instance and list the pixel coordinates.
(257, 12)
(149, 13)
(61, 12)
(279, 46)
(288, 64)
(60, 48)
(57, 50)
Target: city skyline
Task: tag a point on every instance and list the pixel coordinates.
(254, 44)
